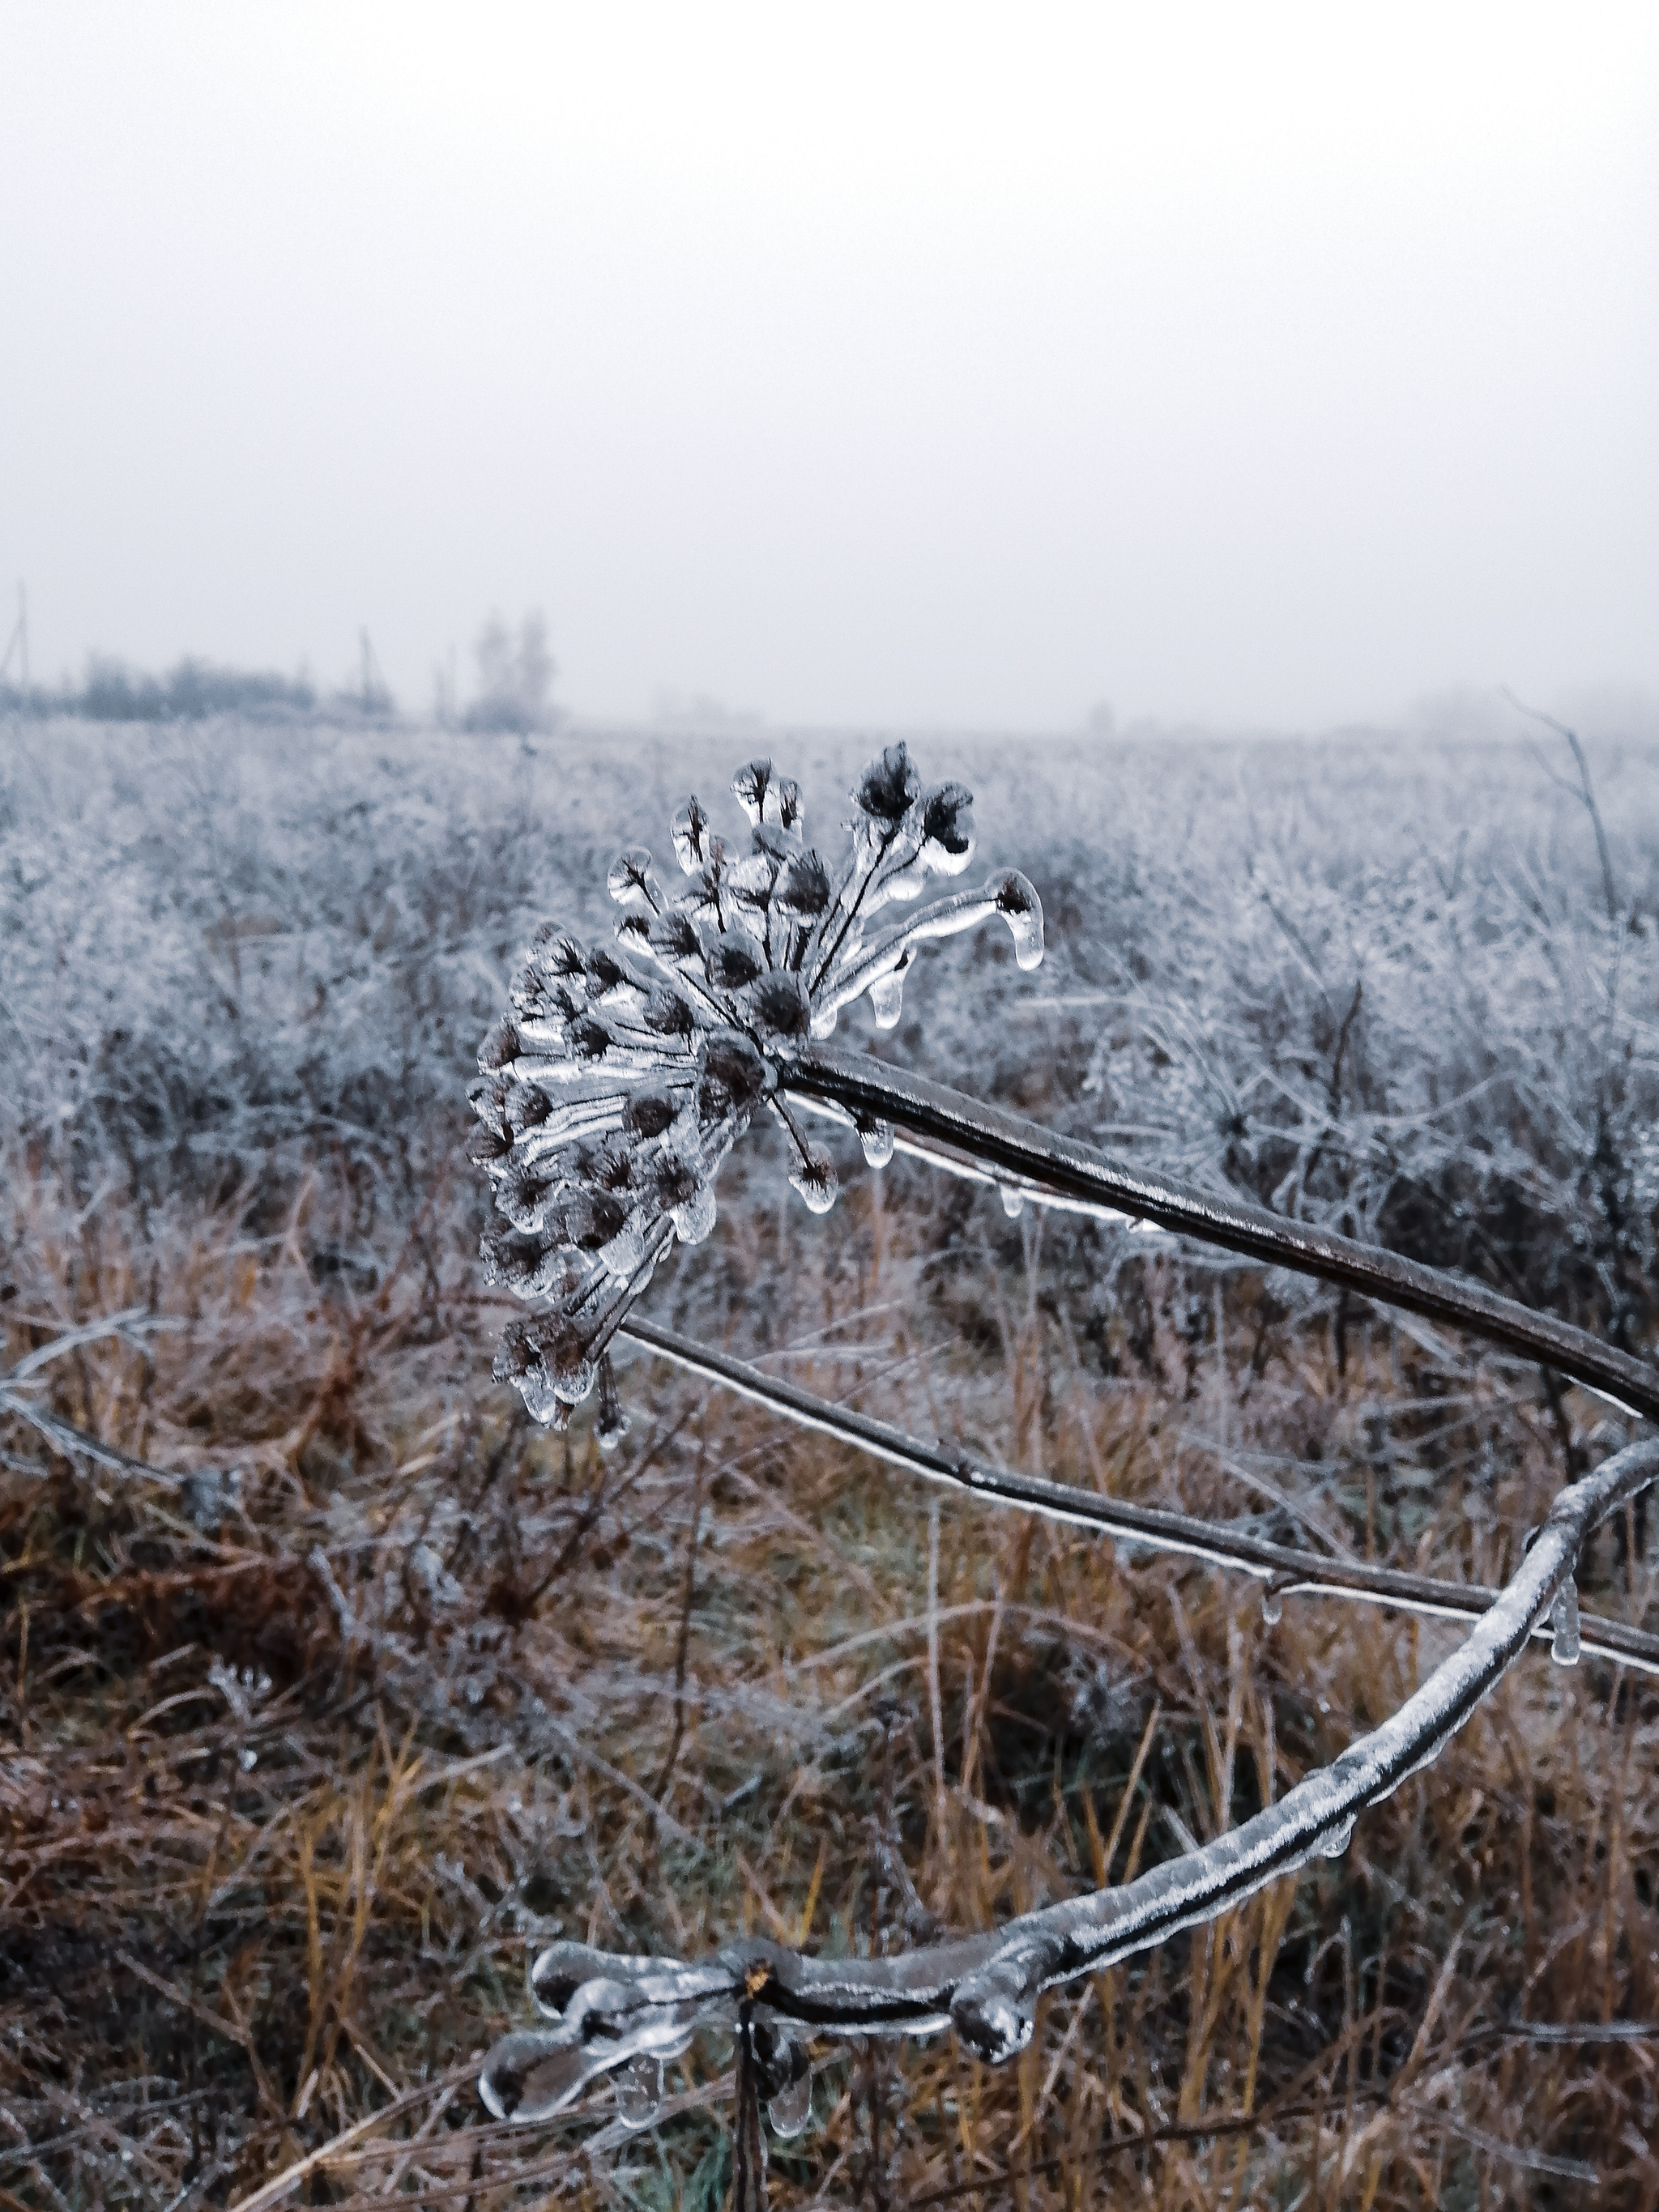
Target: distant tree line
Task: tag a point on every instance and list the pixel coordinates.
(190, 691)
(515, 682)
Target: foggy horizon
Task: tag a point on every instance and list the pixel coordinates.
(941, 372)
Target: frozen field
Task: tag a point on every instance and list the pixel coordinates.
(346, 1690)
(1370, 979)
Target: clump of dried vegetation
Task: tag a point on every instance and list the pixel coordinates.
(333, 1688)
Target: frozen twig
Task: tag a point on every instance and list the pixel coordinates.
(132, 1322)
(610, 2011)
(996, 1146)
(72, 1438)
(1284, 1570)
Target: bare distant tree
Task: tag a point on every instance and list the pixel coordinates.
(515, 676)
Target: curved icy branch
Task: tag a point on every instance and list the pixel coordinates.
(992, 1144)
(1287, 1572)
(613, 2010)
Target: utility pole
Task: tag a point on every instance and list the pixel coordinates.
(376, 696)
(18, 643)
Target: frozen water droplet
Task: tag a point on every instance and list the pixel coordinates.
(1272, 1606)
(248, 1760)
(792, 2108)
(611, 1425)
(695, 1220)
(639, 2092)
(1337, 1842)
(887, 1000)
(623, 1255)
(541, 1401)
(1022, 909)
(1564, 1624)
(814, 1179)
(1014, 1202)
(877, 1139)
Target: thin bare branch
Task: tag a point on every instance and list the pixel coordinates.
(611, 2010)
(1286, 1571)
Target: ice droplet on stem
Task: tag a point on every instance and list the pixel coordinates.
(1022, 909)
(639, 2092)
(814, 1177)
(791, 2109)
(877, 1139)
(1338, 1840)
(1273, 1605)
(887, 1000)
(1564, 1625)
(1014, 1202)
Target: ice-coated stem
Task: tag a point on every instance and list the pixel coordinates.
(1009, 893)
(608, 2009)
(994, 1145)
(1286, 1571)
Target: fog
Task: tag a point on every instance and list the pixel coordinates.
(954, 367)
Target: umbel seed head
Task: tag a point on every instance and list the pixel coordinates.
(611, 1090)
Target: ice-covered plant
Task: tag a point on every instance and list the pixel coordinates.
(610, 1094)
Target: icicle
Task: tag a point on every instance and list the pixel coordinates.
(790, 2108)
(1564, 1624)
(694, 1221)
(1338, 1840)
(1022, 909)
(1014, 1202)
(1273, 1605)
(886, 999)
(877, 1139)
(610, 1425)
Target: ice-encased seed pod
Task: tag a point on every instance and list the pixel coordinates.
(630, 880)
(814, 1177)
(690, 831)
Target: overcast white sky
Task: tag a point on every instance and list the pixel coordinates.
(892, 364)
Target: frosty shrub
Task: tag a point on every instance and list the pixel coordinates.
(610, 1096)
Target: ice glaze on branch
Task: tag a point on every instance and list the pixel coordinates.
(610, 2011)
(1286, 1571)
(990, 1145)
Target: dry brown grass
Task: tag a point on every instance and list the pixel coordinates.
(299, 1773)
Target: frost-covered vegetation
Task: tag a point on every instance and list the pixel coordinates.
(370, 1687)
